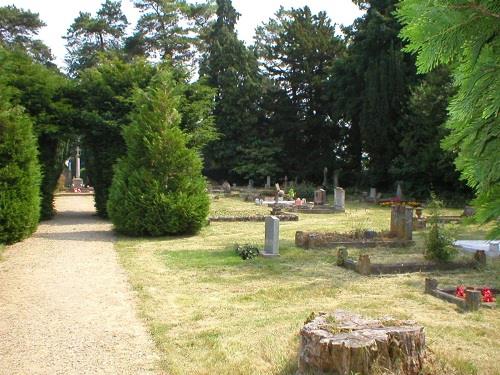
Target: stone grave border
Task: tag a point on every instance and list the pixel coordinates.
(313, 210)
(315, 240)
(251, 218)
(472, 301)
(365, 267)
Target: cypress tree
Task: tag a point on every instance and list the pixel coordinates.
(19, 175)
(158, 188)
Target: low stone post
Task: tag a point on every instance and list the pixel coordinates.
(339, 195)
(342, 255)
(472, 299)
(430, 285)
(272, 245)
(364, 265)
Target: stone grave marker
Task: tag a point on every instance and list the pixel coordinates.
(402, 222)
(372, 197)
(285, 187)
(320, 197)
(339, 195)
(226, 186)
(250, 184)
(268, 182)
(325, 176)
(399, 191)
(271, 245)
(336, 178)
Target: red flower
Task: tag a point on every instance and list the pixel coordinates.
(487, 295)
(460, 291)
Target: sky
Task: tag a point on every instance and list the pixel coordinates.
(59, 15)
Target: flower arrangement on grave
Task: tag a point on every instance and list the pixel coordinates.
(486, 293)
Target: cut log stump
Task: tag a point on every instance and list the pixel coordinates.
(342, 343)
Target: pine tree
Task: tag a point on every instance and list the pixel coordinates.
(158, 188)
(19, 174)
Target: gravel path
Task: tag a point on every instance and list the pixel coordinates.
(65, 304)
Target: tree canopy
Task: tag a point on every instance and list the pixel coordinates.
(464, 36)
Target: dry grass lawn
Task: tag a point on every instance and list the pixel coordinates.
(210, 312)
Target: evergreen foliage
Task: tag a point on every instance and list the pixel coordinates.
(19, 174)
(158, 188)
(422, 164)
(18, 28)
(41, 90)
(376, 90)
(438, 242)
(103, 94)
(465, 36)
(88, 36)
(297, 49)
(172, 30)
(232, 69)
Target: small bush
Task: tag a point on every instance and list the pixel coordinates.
(438, 241)
(19, 175)
(246, 251)
(305, 190)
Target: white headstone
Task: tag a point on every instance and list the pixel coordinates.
(373, 193)
(339, 195)
(272, 245)
(399, 191)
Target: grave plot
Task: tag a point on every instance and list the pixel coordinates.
(400, 234)
(365, 266)
(233, 210)
(469, 298)
(345, 343)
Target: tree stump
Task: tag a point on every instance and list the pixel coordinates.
(341, 343)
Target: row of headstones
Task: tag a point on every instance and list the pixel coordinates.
(338, 197)
(401, 227)
(373, 196)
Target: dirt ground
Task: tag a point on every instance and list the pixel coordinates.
(65, 304)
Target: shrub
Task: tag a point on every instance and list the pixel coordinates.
(305, 190)
(438, 241)
(158, 188)
(19, 175)
(246, 251)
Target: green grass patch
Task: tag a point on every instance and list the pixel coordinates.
(211, 312)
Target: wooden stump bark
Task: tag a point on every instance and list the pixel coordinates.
(341, 343)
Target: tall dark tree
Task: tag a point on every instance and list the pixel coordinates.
(88, 36)
(378, 87)
(103, 94)
(19, 28)
(297, 49)
(422, 164)
(232, 69)
(40, 90)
